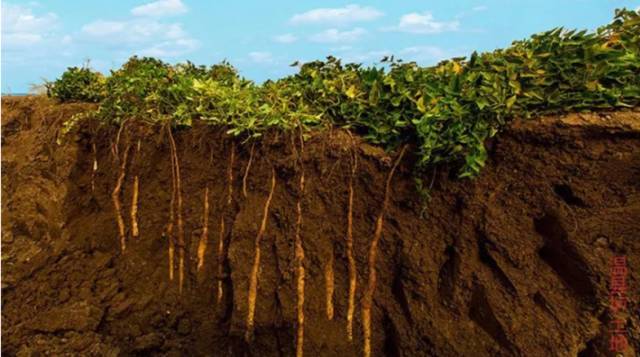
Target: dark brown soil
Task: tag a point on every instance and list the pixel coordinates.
(513, 263)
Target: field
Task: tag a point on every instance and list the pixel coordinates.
(467, 208)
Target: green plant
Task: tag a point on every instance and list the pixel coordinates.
(448, 110)
(78, 84)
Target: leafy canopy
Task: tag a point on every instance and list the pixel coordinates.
(447, 110)
(78, 84)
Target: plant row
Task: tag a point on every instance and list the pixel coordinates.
(447, 110)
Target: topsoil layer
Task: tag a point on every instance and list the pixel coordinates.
(513, 263)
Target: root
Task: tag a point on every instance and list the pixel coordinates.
(134, 199)
(353, 273)
(179, 213)
(230, 173)
(170, 236)
(329, 283)
(299, 259)
(95, 167)
(116, 147)
(220, 260)
(367, 299)
(246, 171)
(221, 257)
(204, 238)
(115, 197)
(253, 280)
(134, 208)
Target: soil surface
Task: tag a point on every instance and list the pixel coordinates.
(513, 263)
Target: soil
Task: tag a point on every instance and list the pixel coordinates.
(513, 263)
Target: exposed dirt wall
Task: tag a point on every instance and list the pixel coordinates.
(515, 262)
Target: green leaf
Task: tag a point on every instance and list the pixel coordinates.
(351, 92)
(420, 104)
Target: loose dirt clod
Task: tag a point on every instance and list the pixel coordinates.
(204, 238)
(367, 299)
(253, 279)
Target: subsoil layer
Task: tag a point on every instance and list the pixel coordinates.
(513, 263)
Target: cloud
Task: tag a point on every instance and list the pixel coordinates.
(479, 8)
(144, 34)
(21, 28)
(104, 28)
(160, 8)
(286, 38)
(423, 23)
(341, 15)
(261, 57)
(337, 36)
(147, 37)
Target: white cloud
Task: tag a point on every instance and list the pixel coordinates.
(21, 28)
(261, 57)
(104, 28)
(341, 15)
(144, 34)
(20, 40)
(147, 37)
(286, 38)
(479, 8)
(423, 23)
(160, 8)
(337, 36)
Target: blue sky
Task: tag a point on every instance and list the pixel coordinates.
(261, 38)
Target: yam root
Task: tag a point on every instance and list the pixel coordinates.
(253, 279)
(246, 171)
(135, 232)
(115, 197)
(179, 213)
(204, 238)
(330, 285)
(353, 273)
(299, 258)
(367, 299)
